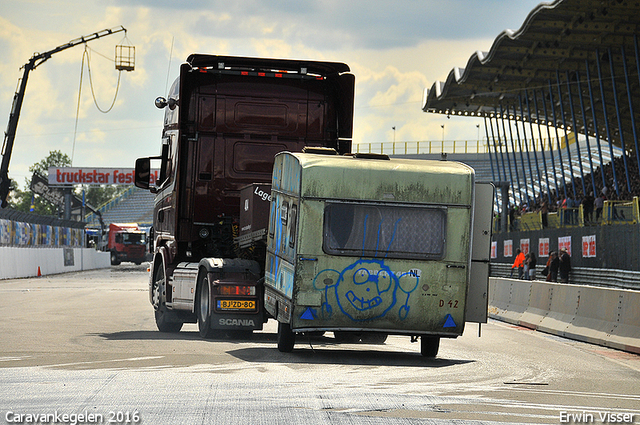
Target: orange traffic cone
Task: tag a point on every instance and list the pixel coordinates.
(39, 273)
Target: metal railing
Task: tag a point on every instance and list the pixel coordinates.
(449, 146)
(613, 212)
(626, 279)
(423, 147)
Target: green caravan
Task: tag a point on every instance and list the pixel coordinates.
(367, 246)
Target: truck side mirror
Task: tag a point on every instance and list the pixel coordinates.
(143, 172)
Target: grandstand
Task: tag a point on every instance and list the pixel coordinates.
(133, 206)
(519, 167)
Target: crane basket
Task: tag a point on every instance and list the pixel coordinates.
(125, 57)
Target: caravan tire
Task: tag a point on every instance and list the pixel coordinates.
(286, 337)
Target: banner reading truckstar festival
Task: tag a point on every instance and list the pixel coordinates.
(67, 176)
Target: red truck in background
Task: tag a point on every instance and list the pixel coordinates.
(225, 119)
(127, 242)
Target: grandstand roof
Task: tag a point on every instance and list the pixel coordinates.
(556, 54)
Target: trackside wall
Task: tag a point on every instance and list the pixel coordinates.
(18, 262)
(604, 316)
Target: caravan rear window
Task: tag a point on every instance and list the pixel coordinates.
(384, 231)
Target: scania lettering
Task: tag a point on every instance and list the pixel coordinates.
(225, 120)
(236, 322)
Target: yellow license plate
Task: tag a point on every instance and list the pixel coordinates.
(236, 305)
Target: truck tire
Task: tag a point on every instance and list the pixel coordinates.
(203, 306)
(429, 346)
(166, 321)
(114, 259)
(286, 338)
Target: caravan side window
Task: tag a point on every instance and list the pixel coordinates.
(384, 231)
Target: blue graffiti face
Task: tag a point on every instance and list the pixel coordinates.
(365, 290)
(371, 289)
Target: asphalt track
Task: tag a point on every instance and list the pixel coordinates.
(82, 347)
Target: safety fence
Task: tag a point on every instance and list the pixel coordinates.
(588, 276)
(15, 233)
(613, 212)
(20, 229)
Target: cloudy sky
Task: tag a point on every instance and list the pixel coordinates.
(394, 48)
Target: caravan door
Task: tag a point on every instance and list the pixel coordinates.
(478, 293)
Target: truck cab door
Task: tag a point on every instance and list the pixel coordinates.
(478, 293)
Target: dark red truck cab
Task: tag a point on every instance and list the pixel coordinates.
(225, 119)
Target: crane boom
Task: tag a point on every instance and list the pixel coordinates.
(9, 136)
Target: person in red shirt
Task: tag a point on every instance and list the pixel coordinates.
(519, 264)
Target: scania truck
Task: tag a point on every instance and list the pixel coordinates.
(225, 120)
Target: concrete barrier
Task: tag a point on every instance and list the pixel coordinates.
(562, 310)
(519, 294)
(626, 333)
(596, 316)
(539, 305)
(604, 316)
(499, 295)
(30, 262)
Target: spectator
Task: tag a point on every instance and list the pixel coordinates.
(571, 204)
(531, 263)
(512, 218)
(518, 264)
(599, 205)
(587, 205)
(554, 263)
(544, 212)
(565, 266)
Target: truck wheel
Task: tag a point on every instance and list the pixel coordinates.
(286, 338)
(429, 346)
(203, 306)
(373, 338)
(166, 320)
(114, 259)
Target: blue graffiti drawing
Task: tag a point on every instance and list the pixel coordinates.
(366, 290)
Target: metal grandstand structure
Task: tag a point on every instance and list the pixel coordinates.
(572, 68)
(133, 206)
